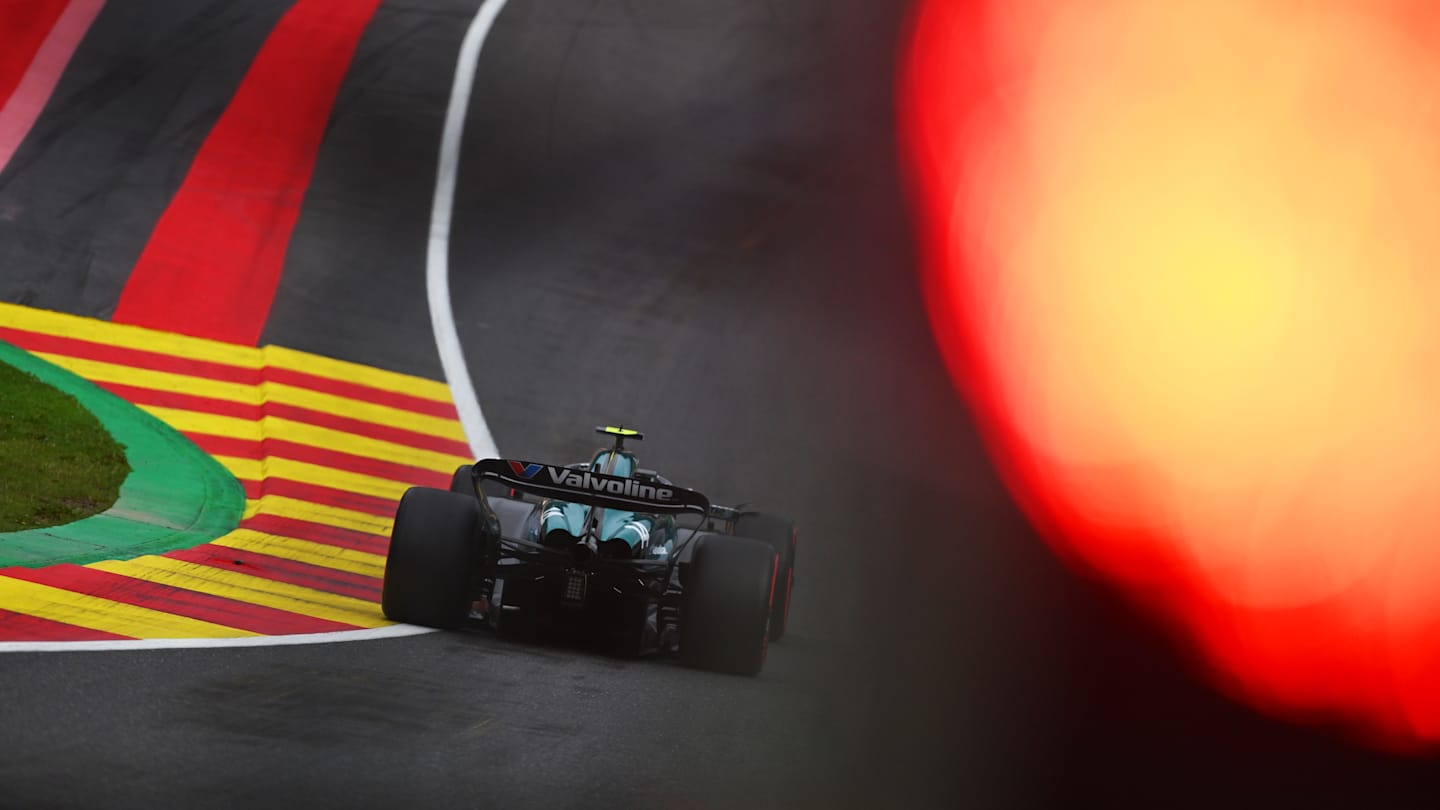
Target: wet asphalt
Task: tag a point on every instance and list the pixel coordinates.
(684, 216)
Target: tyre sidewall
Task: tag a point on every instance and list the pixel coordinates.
(781, 534)
(434, 547)
(726, 613)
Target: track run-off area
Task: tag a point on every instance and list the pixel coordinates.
(321, 449)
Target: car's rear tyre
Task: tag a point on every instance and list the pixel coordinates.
(725, 615)
(433, 548)
(461, 481)
(780, 533)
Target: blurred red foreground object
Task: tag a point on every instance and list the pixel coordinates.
(1181, 260)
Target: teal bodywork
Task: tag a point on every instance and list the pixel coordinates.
(651, 536)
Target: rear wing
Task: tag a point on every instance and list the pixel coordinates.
(592, 488)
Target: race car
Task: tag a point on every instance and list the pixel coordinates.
(604, 547)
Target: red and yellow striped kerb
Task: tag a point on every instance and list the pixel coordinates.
(324, 449)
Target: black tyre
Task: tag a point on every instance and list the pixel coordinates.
(725, 616)
(460, 482)
(780, 533)
(433, 547)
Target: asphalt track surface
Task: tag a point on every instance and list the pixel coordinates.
(680, 215)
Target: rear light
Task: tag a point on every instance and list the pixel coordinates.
(574, 588)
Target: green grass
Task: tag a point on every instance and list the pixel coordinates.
(57, 463)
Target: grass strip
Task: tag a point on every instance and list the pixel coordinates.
(59, 463)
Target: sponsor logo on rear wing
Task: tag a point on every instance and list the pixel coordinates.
(591, 488)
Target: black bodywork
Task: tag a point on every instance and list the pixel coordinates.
(632, 605)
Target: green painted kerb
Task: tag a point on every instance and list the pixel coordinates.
(176, 495)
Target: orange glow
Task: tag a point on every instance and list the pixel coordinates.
(1181, 260)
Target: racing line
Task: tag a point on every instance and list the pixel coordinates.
(437, 256)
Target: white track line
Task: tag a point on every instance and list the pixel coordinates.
(437, 261)
(391, 631)
(437, 286)
(19, 114)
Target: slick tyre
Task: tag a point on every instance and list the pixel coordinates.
(433, 547)
(725, 615)
(780, 533)
(460, 481)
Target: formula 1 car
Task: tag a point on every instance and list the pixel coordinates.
(597, 547)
